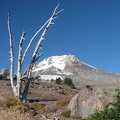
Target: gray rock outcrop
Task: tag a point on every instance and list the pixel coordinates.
(86, 102)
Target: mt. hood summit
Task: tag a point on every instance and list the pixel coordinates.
(57, 65)
(69, 65)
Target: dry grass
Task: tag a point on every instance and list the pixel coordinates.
(12, 103)
(9, 114)
(63, 102)
(66, 113)
(14, 106)
(38, 106)
(46, 93)
(50, 108)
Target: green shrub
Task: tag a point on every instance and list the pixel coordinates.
(34, 78)
(69, 82)
(6, 72)
(1, 76)
(58, 81)
(109, 113)
(38, 106)
(13, 104)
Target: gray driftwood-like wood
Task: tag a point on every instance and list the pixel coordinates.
(17, 83)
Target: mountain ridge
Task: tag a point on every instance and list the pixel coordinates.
(70, 65)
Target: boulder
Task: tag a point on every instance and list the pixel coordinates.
(87, 101)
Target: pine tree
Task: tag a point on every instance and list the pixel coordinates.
(109, 113)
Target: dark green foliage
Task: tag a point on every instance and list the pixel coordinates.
(66, 81)
(69, 82)
(58, 81)
(109, 113)
(1, 76)
(5, 73)
(34, 78)
(102, 115)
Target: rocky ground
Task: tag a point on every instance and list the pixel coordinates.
(45, 93)
(55, 98)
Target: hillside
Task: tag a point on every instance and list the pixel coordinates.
(42, 93)
(94, 88)
(71, 66)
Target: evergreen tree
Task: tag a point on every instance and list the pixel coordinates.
(69, 82)
(109, 113)
(58, 80)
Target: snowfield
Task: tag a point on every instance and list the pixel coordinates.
(50, 77)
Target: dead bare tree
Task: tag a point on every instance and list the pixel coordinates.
(17, 84)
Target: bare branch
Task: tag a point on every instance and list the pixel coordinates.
(55, 17)
(59, 11)
(52, 23)
(20, 51)
(43, 34)
(38, 56)
(33, 60)
(45, 117)
(24, 55)
(54, 12)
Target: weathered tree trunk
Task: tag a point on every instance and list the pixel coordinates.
(11, 57)
(17, 84)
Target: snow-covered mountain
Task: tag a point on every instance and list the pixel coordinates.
(69, 65)
(54, 65)
(64, 65)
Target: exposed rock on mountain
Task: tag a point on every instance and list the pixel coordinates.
(69, 65)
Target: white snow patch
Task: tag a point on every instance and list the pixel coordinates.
(56, 61)
(50, 77)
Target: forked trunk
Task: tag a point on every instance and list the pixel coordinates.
(17, 83)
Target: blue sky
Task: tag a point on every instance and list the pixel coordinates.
(88, 29)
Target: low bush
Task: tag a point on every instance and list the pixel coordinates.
(11, 103)
(38, 106)
(66, 81)
(66, 113)
(34, 78)
(8, 102)
(63, 102)
(9, 114)
(1, 76)
(58, 81)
